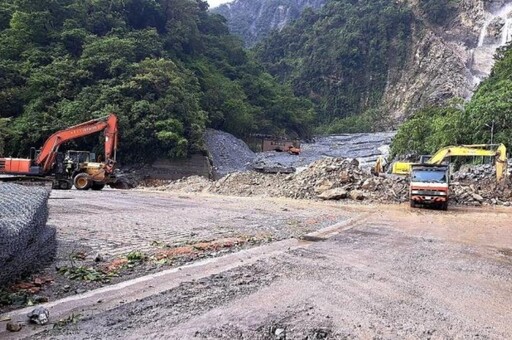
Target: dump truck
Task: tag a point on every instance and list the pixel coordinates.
(429, 185)
(78, 168)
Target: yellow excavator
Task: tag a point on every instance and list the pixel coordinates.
(498, 151)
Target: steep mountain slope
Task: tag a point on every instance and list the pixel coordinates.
(252, 20)
(386, 59)
(343, 56)
(449, 59)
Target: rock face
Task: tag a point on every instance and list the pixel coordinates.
(444, 61)
(447, 62)
(252, 20)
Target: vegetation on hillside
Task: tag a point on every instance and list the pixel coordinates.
(168, 68)
(433, 128)
(341, 57)
(438, 12)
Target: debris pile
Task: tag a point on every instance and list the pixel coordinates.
(476, 185)
(480, 192)
(342, 178)
(474, 173)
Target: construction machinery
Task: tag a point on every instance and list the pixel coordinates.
(429, 185)
(78, 168)
(498, 151)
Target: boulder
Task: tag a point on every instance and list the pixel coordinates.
(334, 194)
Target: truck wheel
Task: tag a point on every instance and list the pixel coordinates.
(97, 186)
(82, 182)
(444, 206)
(413, 204)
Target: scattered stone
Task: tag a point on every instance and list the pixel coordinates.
(14, 326)
(478, 198)
(39, 316)
(98, 258)
(40, 299)
(280, 333)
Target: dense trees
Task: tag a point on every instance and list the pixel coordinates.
(438, 12)
(341, 56)
(166, 67)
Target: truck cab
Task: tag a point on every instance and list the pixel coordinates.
(429, 185)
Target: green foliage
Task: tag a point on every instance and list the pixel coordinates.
(3, 133)
(427, 131)
(82, 273)
(136, 256)
(372, 120)
(433, 128)
(168, 68)
(439, 12)
(341, 56)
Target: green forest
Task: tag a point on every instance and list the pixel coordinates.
(340, 58)
(486, 118)
(170, 69)
(167, 68)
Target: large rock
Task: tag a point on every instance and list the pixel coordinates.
(334, 194)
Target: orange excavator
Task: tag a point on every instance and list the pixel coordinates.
(78, 168)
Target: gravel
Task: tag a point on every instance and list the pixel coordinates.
(228, 153)
(365, 147)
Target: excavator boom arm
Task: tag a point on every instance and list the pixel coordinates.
(500, 154)
(109, 124)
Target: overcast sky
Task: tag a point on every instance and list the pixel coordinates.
(214, 3)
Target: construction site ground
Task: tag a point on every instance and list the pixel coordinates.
(220, 267)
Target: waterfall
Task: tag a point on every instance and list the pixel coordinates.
(496, 32)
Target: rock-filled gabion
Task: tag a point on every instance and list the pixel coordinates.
(26, 242)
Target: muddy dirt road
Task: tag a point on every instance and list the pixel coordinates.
(377, 272)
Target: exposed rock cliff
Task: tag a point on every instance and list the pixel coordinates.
(450, 60)
(252, 20)
(449, 51)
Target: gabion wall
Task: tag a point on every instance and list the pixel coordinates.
(26, 243)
